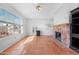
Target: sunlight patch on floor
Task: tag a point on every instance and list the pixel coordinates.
(29, 39)
(22, 46)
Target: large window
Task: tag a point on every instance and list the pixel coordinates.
(10, 24)
(7, 29)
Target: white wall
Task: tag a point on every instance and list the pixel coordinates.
(8, 41)
(25, 27)
(41, 24)
(62, 14)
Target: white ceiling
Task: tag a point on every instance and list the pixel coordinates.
(29, 9)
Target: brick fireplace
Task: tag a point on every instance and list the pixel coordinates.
(64, 29)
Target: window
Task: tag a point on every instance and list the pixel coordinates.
(7, 29)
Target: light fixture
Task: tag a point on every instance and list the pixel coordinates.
(38, 7)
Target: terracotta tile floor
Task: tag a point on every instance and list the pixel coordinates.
(33, 45)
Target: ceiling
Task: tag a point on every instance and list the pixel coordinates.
(29, 9)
